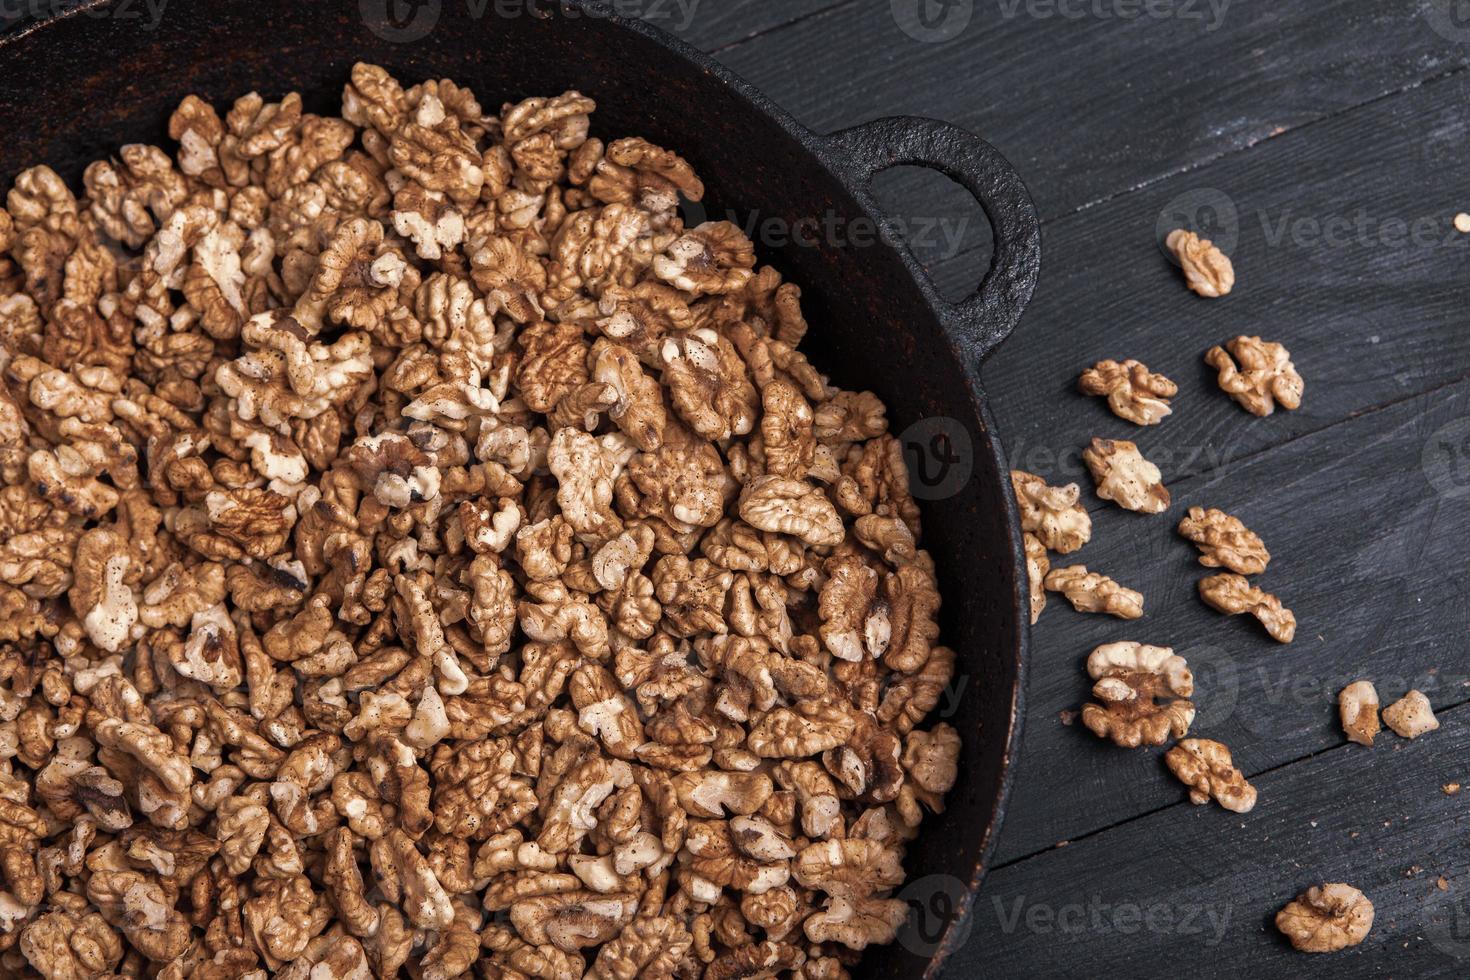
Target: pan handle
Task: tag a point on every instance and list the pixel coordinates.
(988, 315)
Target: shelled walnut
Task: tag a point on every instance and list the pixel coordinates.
(1052, 513)
(1357, 706)
(1233, 595)
(1144, 692)
(1037, 566)
(1207, 270)
(1411, 716)
(422, 553)
(1258, 374)
(1224, 542)
(1125, 477)
(1206, 768)
(1326, 918)
(1133, 392)
(1091, 592)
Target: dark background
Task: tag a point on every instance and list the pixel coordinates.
(1324, 145)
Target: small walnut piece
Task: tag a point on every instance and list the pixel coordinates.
(1052, 513)
(1094, 593)
(1037, 566)
(1258, 374)
(1411, 715)
(1206, 768)
(1232, 594)
(1326, 918)
(1125, 477)
(1358, 707)
(1207, 270)
(1143, 690)
(1224, 542)
(1132, 391)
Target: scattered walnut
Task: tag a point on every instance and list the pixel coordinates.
(1411, 715)
(1206, 768)
(1052, 513)
(1224, 542)
(406, 521)
(1326, 918)
(1037, 566)
(1258, 374)
(1125, 477)
(1133, 393)
(1232, 594)
(1091, 592)
(1207, 270)
(1358, 706)
(1143, 690)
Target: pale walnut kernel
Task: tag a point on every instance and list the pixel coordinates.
(1144, 692)
(1125, 477)
(1357, 707)
(1326, 918)
(1411, 716)
(1258, 374)
(1091, 592)
(1132, 391)
(1207, 270)
(1037, 566)
(1052, 513)
(1224, 542)
(1206, 768)
(1233, 595)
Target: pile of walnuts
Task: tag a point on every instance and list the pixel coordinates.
(419, 548)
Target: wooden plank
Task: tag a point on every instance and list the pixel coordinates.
(1091, 107)
(1366, 543)
(716, 25)
(1369, 319)
(1199, 887)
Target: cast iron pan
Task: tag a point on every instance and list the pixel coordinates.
(76, 87)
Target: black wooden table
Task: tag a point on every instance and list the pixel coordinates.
(1323, 144)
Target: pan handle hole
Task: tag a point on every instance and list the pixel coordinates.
(942, 224)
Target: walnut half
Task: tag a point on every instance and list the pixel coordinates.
(1207, 270)
(1258, 374)
(1326, 918)
(1232, 594)
(1411, 715)
(1224, 541)
(1206, 768)
(1125, 477)
(1132, 391)
(1090, 592)
(1143, 690)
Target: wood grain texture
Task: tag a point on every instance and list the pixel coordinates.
(1103, 105)
(1201, 886)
